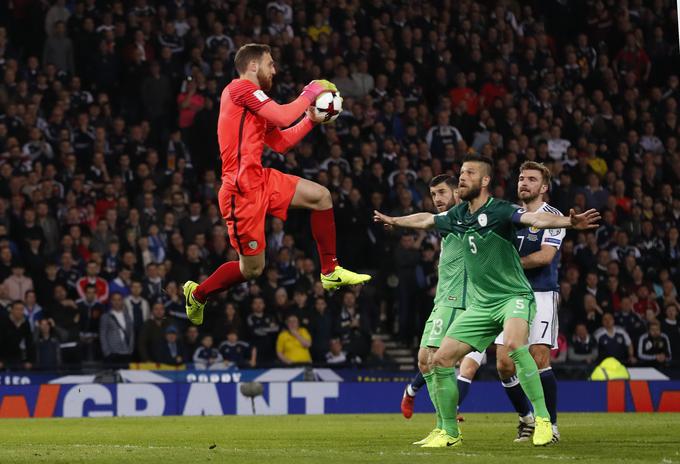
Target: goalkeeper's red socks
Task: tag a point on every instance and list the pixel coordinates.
(323, 230)
(224, 277)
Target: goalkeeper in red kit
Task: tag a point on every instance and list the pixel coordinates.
(248, 120)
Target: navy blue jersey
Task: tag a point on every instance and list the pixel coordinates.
(530, 240)
(237, 353)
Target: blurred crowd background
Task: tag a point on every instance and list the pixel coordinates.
(109, 171)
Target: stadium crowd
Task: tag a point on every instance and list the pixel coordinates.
(109, 170)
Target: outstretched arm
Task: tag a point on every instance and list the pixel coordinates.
(412, 221)
(586, 220)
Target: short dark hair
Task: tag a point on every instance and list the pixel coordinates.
(247, 53)
(472, 158)
(444, 178)
(540, 167)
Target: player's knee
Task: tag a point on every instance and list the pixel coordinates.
(443, 360)
(505, 367)
(541, 355)
(469, 370)
(252, 271)
(512, 344)
(324, 201)
(423, 366)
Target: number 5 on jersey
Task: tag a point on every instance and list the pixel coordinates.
(473, 245)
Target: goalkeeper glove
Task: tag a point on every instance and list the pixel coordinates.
(316, 88)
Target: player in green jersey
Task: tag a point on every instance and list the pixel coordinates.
(449, 296)
(449, 301)
(499, 297)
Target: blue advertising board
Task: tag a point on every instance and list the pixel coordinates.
(296, 397)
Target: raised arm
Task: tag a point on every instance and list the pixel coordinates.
(413, 221)
(540, 220)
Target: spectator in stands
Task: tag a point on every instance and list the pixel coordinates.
(593, 313)
(17, 348)
(136, 306)
(262, 329)
(121, 284)
(174, 307)
(583, 347)
(320, 328)
(335, 355)
(378, 358)
(90, 311)
(92, 278)
(614, 341)
(237, 352)
(171, 350)
(47, 349)
(645, 302)
(32, 310)
(629, 320)
(191, 342)
(17, 284)
(442, 134)
(116, 332)
(292, 344)
(671, 328)
(206, 356)
(67, 327)
(152, 334)
(229, 320)
(654, 347)
(59, 49)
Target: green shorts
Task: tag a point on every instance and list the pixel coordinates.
(436, 326)
(479, 326)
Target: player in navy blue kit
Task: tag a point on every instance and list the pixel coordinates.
(539, 255)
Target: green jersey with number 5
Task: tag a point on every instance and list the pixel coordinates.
(493, 267)
(451, 284)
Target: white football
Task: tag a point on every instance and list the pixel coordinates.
(327, 107)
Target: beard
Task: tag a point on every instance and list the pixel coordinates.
(264, 80)
(470, 193)
(527, 197)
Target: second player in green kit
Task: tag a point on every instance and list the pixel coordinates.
(450, 294)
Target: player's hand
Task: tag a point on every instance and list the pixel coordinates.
(312, 116)
(380, 217)
(583, 221)
(317, 87)
(327, 86)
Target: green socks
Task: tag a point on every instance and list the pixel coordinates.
(432, 390)
(527, 373)
(446, 392)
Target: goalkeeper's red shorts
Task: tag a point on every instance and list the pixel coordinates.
(245, 213)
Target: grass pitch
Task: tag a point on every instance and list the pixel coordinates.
(601, 438)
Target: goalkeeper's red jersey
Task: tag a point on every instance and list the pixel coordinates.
(241, 133)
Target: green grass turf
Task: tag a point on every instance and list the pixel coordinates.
(385, 438)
